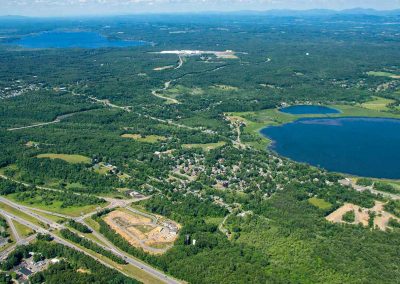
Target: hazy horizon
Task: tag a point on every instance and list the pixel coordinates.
(48, 8)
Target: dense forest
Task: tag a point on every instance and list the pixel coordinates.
(80, 127)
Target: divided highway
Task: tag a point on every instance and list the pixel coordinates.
(53, 225)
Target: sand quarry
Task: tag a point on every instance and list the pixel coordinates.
(151, 233)
(362, 215)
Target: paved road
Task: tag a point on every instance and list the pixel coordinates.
(17, 237)
(35, 125)
(157, 274)
(110, 247)
(25, 241)
(350, 183)
(57, 120)
(143, 266)
(28, 211)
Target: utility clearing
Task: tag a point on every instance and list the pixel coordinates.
(153, 234)
(362, 215)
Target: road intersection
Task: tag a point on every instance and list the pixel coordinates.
(50, 227)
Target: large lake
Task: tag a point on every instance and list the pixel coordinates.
(361, 146)
(71, 40)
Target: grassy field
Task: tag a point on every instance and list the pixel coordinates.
(51, 217)
(20, 214)
(378, 103)
(320, 203)
(182, 90)
(92, 223)
(73, 159)
(55, 206)
(214, 220)
(383, 74)
(146, 139)
(22, 230)
(205, 147)
(358, 111)
(87, 235)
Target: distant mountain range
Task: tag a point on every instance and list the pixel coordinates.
(321, 12)
(283, 13)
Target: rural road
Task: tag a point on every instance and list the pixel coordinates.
(34, 125)
(57, 120)
(349, 183)
(180, 64)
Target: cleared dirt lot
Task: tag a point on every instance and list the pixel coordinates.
(362, 215)
(151, 233)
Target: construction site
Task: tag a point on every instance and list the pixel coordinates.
(363, 215)
(154, 234)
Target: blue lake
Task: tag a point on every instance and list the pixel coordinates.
(361, 146)
(309, 109)
(71, 40)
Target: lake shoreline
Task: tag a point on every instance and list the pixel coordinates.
(338, 142)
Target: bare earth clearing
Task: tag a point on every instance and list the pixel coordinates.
(144, 231)
(362, 215)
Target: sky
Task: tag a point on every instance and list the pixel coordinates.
(122, 7)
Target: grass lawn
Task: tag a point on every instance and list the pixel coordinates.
(205, 147)
(101, 169)
(92, 223)
(20, 214)
(320, 203)
(75, 211)
(378, 104)
(73, 159)
(22, 230)
(145, 139)
(51, 217)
